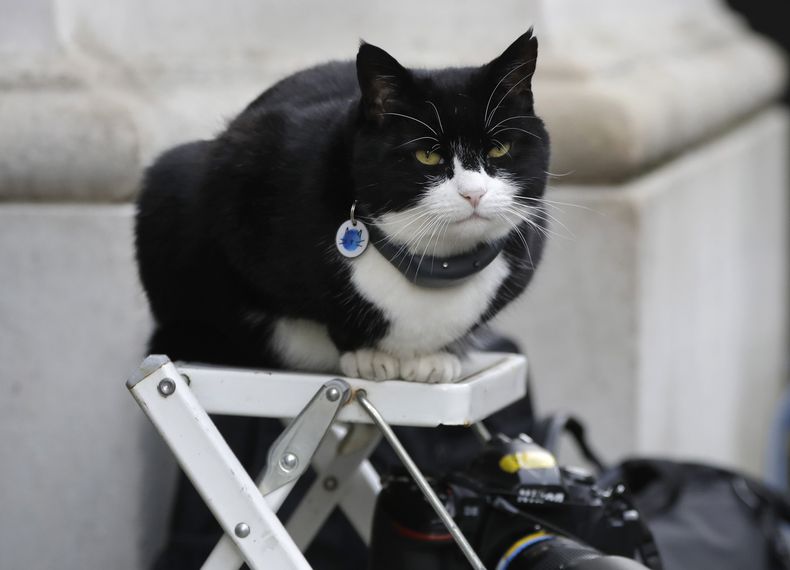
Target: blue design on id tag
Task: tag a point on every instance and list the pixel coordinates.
(352, 238)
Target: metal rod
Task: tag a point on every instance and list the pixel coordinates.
(418, 477)
(481, 431)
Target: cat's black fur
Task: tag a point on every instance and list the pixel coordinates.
(237, 231)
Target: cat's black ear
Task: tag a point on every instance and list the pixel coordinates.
(383, 81)
(512, 71)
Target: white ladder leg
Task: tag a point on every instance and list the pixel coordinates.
(225, 555)
(342, 466)
(359, 502)
(298, 443)
(212, 467)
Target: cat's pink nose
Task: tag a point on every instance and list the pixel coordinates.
(473, 196)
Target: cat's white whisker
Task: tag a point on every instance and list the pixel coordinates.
(530, 133)
(488, 103)
(528, 205)
(556, 221)
(528, 216)
(409, 221)
(438, 118)
(419, 235)
(528, 219)
(426, 125)
(443, 224)
(414, 244)
(540, 229)
(526, 246)
(406, 246)
(556, 175)
(557, 204)
(425, 250)
(419, 239)
(523, 240)
(539, 209)
(409, 215)
(415, 140)
(547, 232)
(498, 142)
(516, 84)
(503, 121)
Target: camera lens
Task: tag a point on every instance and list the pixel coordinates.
(548, 552)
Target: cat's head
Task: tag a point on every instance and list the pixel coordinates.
(447, 159)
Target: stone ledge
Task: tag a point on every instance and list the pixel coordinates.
(81, 127)
(71, 144)
(608, 127)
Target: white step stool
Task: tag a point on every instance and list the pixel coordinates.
(178, 398)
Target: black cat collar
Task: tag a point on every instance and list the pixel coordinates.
(435, 272)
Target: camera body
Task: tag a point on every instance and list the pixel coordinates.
(518, 509)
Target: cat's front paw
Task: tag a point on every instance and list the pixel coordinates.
(432, 368)
(369, 364)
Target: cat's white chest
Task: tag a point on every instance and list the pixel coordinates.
(423, 320)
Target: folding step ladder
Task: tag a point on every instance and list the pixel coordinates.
(337, 423)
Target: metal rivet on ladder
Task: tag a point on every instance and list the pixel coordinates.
(166, 387)
(289, 461)
(333, 394)
(242, 530)
(330, 483)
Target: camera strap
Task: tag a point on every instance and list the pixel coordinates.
(549, 430)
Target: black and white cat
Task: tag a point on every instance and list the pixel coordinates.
(236, 236)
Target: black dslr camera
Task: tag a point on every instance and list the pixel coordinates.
(519, 510)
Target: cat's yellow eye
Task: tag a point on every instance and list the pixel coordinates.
(428, 158)
(499, 151)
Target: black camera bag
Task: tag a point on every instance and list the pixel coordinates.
(704, 517)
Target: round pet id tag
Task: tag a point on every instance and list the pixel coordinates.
(352, 238)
